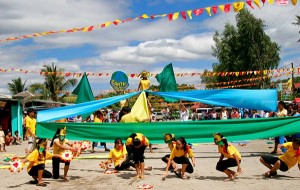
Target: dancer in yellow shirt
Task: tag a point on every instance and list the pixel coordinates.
(285, 161)
(118, 156)
(231, 153)
(179, 155)
(170, 140)
(37, 159)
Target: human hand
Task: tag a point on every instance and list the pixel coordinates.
(239, 170)
(194, 164)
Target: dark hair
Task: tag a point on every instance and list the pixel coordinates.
(30, 110)
(296, 140)
(133, 135)
(282, 103)
(171, 137)
(40, 141)
(55, 136)
(126, 109)
(16, 132)
(136, 142)
(183, 142)
(117, 140)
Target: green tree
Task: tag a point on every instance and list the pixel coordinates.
(17, 86)
(54, 84)
(297, 23)
(245, 47)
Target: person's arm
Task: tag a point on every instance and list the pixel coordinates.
(221, 157)
(193, 161)
(124, 159)
(237, 159)
(168, 166)
(64, 146)
(139, 87)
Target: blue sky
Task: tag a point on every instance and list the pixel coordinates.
(130, 47)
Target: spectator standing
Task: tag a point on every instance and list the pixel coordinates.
(223, 114)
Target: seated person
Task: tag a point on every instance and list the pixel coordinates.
(16, 139)
(8, 139)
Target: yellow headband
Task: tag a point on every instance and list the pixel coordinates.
(217, 138)
(63, 131)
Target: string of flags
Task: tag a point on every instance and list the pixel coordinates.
(275, 73)
(231, 84)
(187, 14)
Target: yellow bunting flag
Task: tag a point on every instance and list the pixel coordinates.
(257, 3)
(208, 10)
(189, 13)
(175, 16)
(221, 7)
(144, 16)
(238, 6)
(271, 2)
(294, 2)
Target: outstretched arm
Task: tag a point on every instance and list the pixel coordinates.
(237, 159)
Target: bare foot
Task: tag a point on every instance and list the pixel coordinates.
(66, 179)
(142, 177)
(235, 174)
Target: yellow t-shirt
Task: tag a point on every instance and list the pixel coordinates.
(130, 118)
(179, 153)
(56, 149)
(35, 158)
(30, 123)
(140, 136)
(172, 146)
(97, 120)
(282, 113)
(289, 156)
(145, 84)
(231, 150)
(117, 155)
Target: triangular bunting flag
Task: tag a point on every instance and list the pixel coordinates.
(238, 6)
(249, 2)
(208, 10)
(183, 15)
(189, 13)
(214, 9)
(198, 12)
(227, 8)
(175, 16)
(257, 3)
(221, 7)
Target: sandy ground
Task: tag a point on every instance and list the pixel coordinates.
(86, 173)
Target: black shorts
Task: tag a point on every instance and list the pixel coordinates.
(272, 160)
(34, 170)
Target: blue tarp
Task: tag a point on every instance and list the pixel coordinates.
(251, 99)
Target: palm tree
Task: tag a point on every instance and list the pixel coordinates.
(17, 86)
(297, 23)
(54, 83)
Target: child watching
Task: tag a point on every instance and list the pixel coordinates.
(2, 140)
(16, 139)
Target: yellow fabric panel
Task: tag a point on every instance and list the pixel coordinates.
(140, 108)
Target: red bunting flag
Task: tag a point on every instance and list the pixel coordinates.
(249, 2)
(198, 12)
(214, 9)
(183, 15)
(227, 8)
(170, 16)
(282, 2)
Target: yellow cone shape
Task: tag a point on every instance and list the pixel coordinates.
(140, 107)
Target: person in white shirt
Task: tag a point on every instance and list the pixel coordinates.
(78, 119)
(223, 114)
(184, 113)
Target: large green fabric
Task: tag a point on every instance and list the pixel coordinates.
(167, 82)
(83, 91)
(194, 132)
